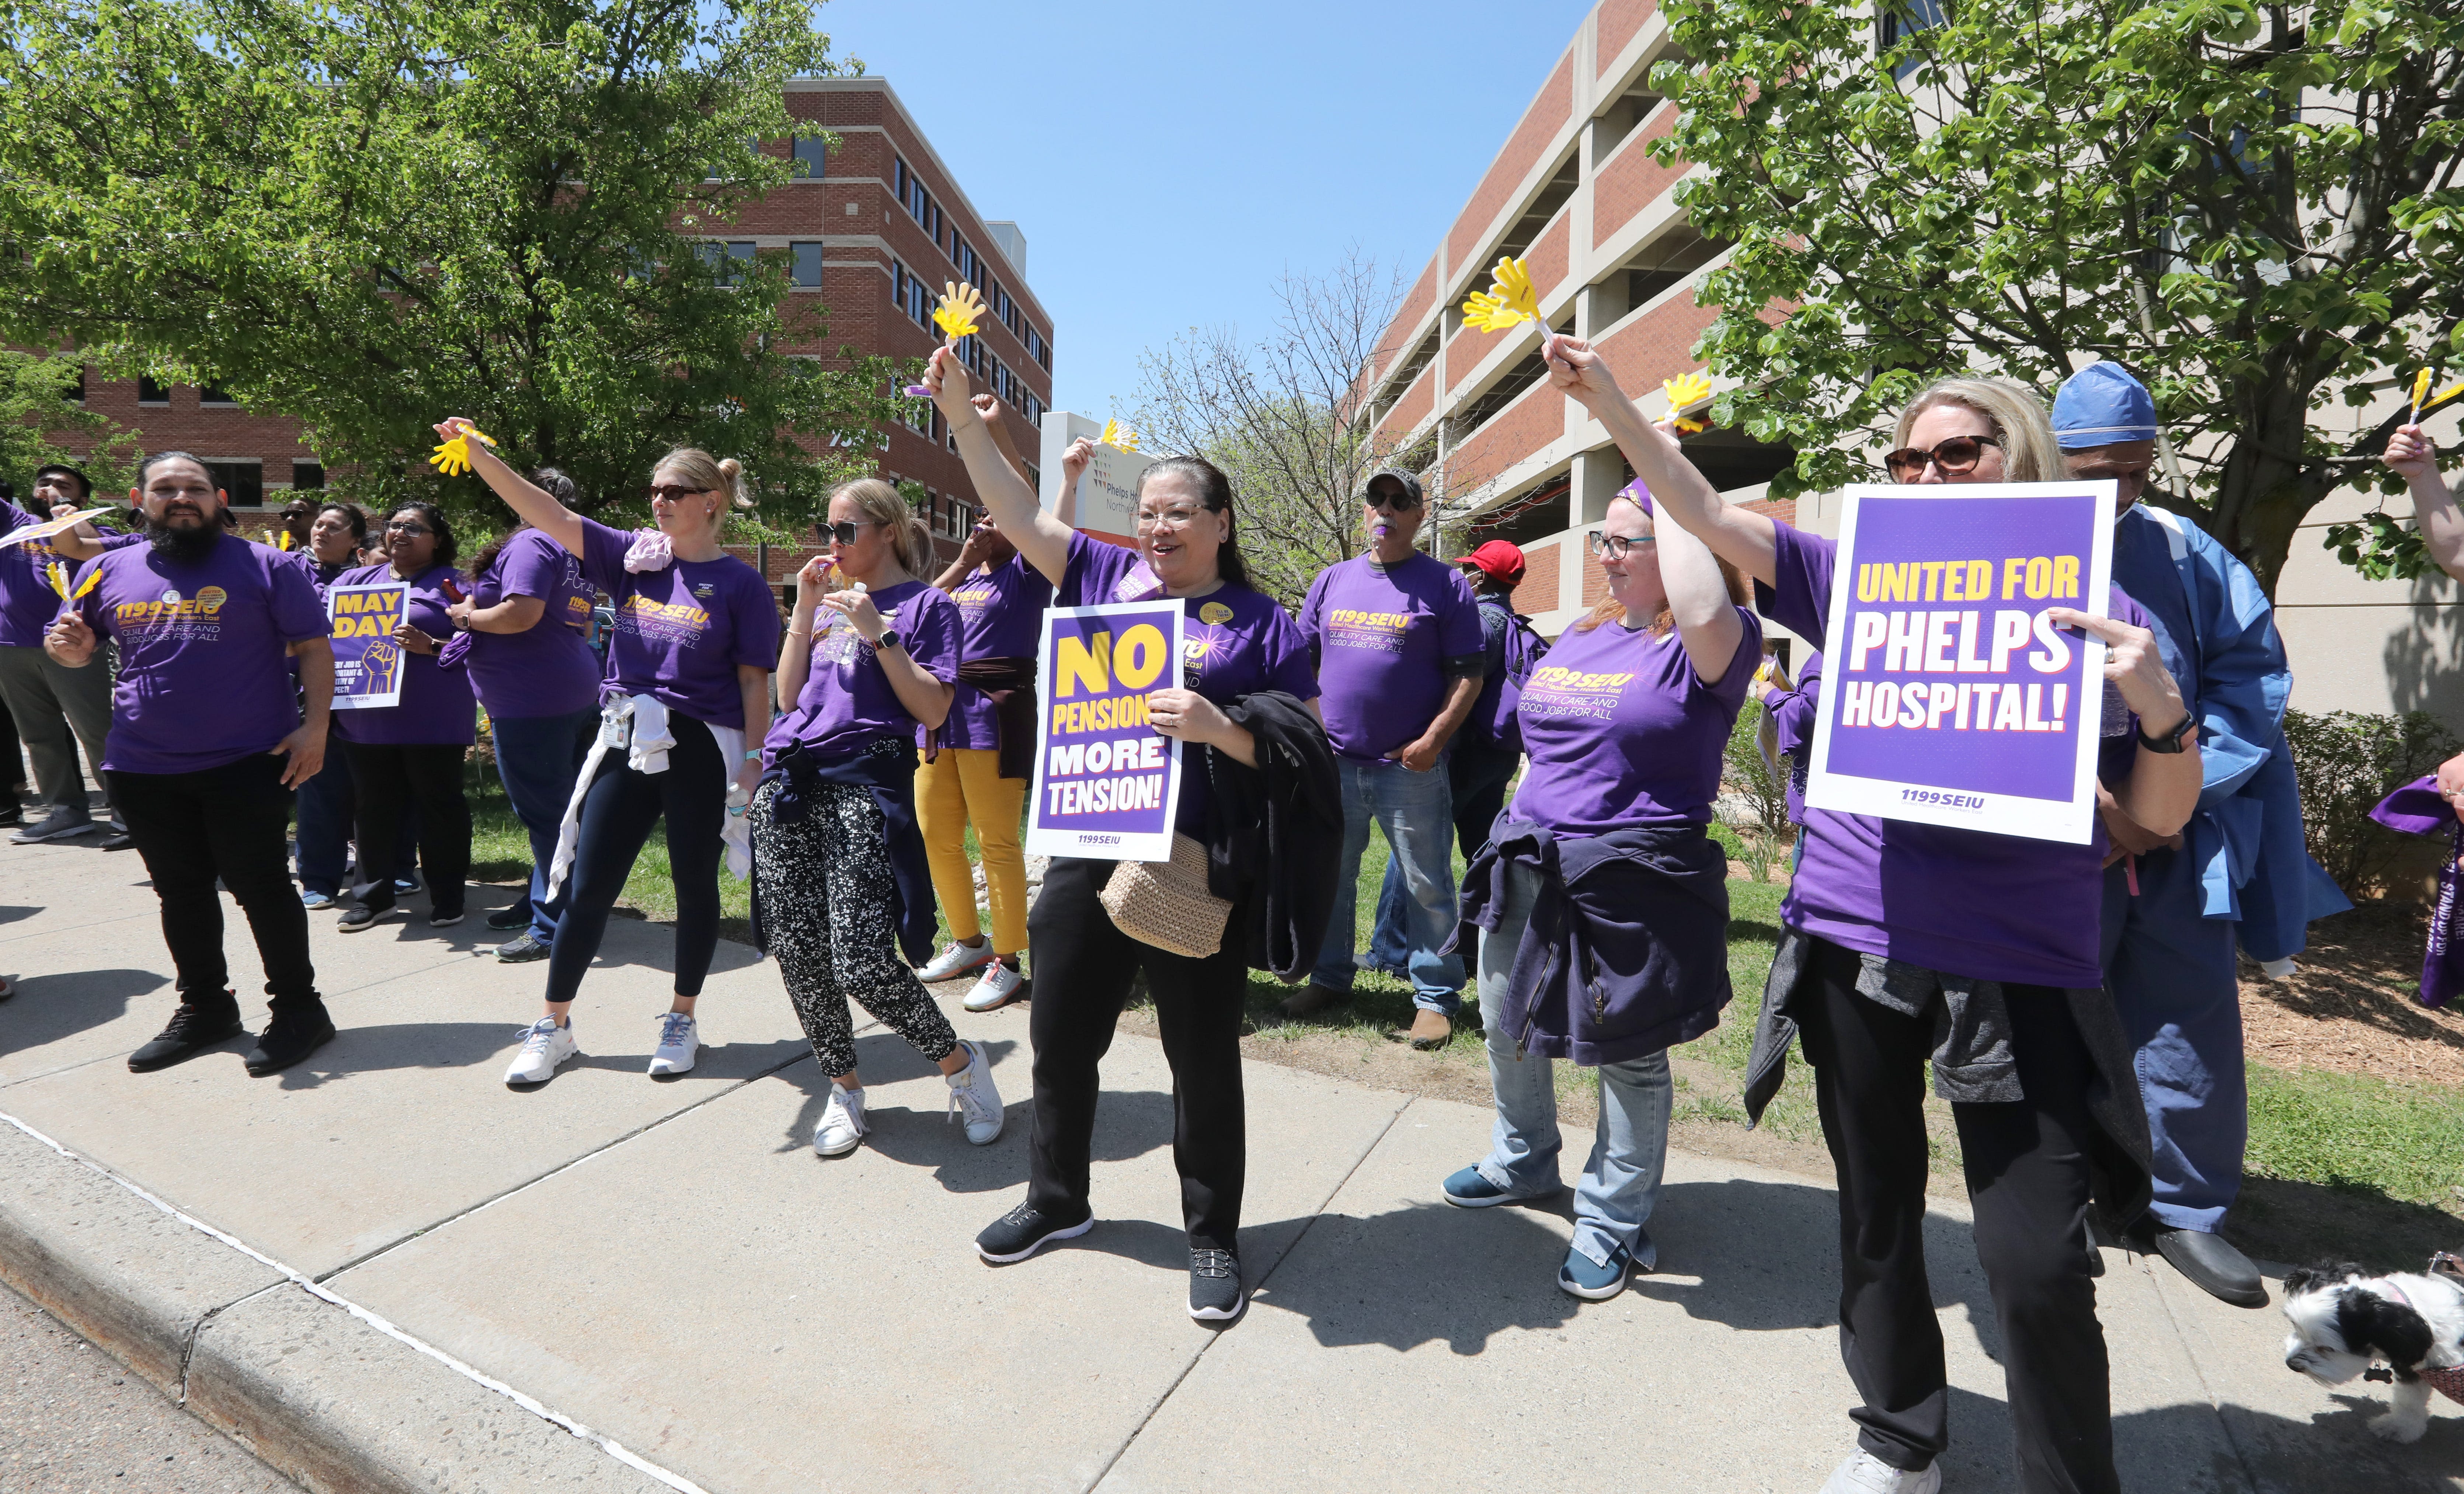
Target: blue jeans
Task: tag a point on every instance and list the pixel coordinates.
(1476, 775)
(1621, 1183)
(327, 808)
(1416, 811)
(538, 758)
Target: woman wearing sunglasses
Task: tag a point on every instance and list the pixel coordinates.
(1910, 942)
(688, 676)
(410, 755)
(841, 884)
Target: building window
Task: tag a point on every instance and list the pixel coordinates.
(1039, 349)
(1902, 19)
(242, 482)
(151, 392)
(730, 261)
(210, 395)
(807, 264)
(812, 157)
(307, 476)
(75, 393)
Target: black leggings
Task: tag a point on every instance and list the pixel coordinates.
(617, 815)
(2027, 1171)
(1083, 965)
(385, 777)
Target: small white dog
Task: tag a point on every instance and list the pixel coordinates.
(2345, 1319)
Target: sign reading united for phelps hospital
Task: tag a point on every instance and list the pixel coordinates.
(367, 661)
(1952, 697)
(1107, 783)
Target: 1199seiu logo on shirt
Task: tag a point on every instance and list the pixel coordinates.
(171, 615)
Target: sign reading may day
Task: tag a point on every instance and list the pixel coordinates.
(1107, 783)
(1952, 697)
(367, 662)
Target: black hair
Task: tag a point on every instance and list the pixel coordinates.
(85, 484)
(549, 480)
(352, 515)
(157, 458)
(1215, 492)
(446, 547)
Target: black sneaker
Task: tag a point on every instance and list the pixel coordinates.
(522, 948)
(1215, 1294)
(116, 835)
(363, 915)
(1023, 1231)
(518, 916)
(192, 1030)
(60, 824)
(288, 1038)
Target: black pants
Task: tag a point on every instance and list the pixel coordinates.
(2026, 1168)
(617, 817)
(387, 777)
(1083, 968)
(228, 823)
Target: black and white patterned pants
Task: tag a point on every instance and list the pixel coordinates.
(828, 907)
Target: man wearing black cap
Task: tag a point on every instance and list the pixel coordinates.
(56, 709)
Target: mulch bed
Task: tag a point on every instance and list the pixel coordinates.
(2352, 1005)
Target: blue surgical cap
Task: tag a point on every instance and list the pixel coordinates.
(2101, 405)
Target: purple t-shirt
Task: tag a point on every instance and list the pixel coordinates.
(1963, 902)
(681, 630)
(1001, 616)
(1382, 633)
(202, 650)
(847, 702)
(1237, 642)
(436, 709)
(1623, 734)
(28, 603)
(547, 669)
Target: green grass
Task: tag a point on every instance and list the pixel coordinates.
(2346, 1130)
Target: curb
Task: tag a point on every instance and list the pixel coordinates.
(324, 1391)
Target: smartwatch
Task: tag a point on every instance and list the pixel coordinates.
(2174, 740)
(890, 639)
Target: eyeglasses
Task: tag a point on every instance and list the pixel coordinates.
(1957, 455)
(1391, 502)
(671, 492)
(1617, 546)
(413, 530)
(843, 531)
(1169, 518)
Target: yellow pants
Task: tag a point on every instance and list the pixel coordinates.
(964, 785)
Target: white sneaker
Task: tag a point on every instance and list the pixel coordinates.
(842, 1125)
(544, 1045)
(1867, 1474)
(972, 1095)
(957, 960)
(678, 1042)
(994, 988)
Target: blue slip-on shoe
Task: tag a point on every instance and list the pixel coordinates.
(1470, 1189)
(315, 901)
(1595, 1280)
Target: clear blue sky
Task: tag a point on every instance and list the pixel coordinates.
(1168, 162)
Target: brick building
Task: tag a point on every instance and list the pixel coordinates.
(873, 228)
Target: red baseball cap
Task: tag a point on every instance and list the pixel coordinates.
(1500, 560)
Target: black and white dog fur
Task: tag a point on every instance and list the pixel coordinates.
(2345, 1319)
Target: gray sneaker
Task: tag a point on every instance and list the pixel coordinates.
(63, 822)
(522, 949)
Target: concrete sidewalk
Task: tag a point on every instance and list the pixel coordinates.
(384, 1270)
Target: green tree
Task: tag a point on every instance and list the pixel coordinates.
(2257, 211)
(41, 422)
(368, 214)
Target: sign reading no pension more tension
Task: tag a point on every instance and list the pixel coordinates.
(1952, 697)
(367, 661)
(1107, 782)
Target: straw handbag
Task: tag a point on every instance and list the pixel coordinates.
(1166, 904)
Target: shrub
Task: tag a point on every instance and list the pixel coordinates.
(2347, 761)
(1759, 814)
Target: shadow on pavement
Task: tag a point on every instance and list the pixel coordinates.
(1474, 1273)
(48, 1008)
(9, 912)
(2332, 1453)
(481, 1045)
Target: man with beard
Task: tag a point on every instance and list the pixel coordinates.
(55, 709)
(206, 745)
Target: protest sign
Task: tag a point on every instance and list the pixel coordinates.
(367, 662)
(1107, 493)
(1107, 783)
(1950, 696)
(25, 533)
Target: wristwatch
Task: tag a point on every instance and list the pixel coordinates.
(2174, 740)
(890, 639)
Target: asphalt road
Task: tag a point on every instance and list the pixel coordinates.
(73, 1420)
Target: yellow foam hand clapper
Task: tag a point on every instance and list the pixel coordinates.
(59, 579)
(2448, 393)
(2420, 392)
(1509, 302)
(1117, 436)
(453, 457)
(960, 306)
(1684, 391)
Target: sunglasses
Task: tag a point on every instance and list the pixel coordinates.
(1391, 502)
(672, 492)
(1957, 455)
(1617, 546)
(843, 531)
